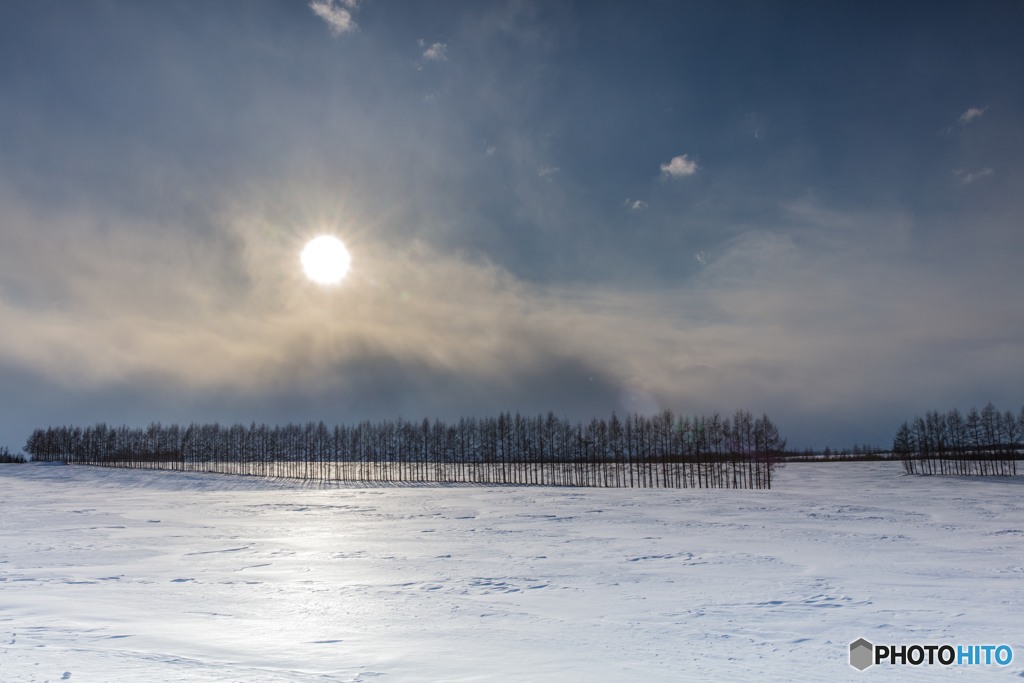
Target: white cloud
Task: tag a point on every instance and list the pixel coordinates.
(971, 114)
(436, 52)
(635, 205)
(968, 178)
(702, 257)
(490, 151)
(547, 170)
(336, 15)
(679, 166)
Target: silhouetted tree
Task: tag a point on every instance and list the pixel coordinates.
(663, 451)
(984, 443)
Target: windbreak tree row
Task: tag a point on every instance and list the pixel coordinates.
(985, 443)
(664, 451)
(7, 457)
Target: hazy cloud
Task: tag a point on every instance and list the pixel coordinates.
(968, 178)
(544, 171)
(775, 320)
(755, 125)
(336, 13)
(971, 114)
(636, 205)
(679, 166)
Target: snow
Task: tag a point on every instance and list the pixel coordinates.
(117, 575)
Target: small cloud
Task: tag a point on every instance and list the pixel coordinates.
(971, 114)
(968, 178)
(755, 125)
(635, 205)
(490, 151)
(436, 52)
(702, 257)
(334, 12)
(547, 170)
(679, 166)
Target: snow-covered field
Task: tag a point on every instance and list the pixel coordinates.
(127, 575)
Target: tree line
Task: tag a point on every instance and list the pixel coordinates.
(7, 457)
(664, 451)
(978, 443)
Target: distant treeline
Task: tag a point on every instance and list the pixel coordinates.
(650, 452)
(952, 443)
(857, 453)
(7, 457)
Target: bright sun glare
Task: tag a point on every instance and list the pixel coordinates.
(325, 260)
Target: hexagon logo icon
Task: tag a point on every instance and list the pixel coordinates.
(862, 654)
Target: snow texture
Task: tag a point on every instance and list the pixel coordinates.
(118, 575)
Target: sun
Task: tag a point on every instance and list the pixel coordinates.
(326, 260)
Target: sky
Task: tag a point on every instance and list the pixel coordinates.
(809, 210)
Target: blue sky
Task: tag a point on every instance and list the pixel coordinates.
(810, 210)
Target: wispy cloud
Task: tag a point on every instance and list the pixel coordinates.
(755, 125)
(635, 204)
(436, 52)
(769, 321)
(679, 166)
(968, 178)
(337, 14)
(545, 171)
(971, 114)
(965, 118)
